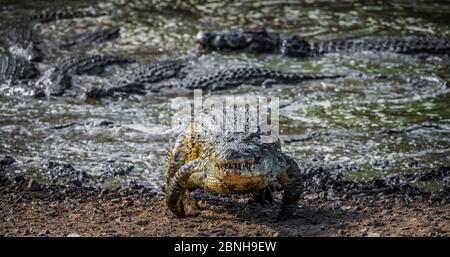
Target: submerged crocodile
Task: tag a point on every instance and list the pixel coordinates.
(294, 46)
(233, 77)
(58, 77)
(145, 79)
(20, 39)
(136, 81)
(49, 15)
(92, 37)
(228, 162)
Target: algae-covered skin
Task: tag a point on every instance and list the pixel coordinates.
(229, 162)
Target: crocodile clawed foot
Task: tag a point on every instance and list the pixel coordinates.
(264, 197)
(179, 211)
(260, 199)
(192, 207)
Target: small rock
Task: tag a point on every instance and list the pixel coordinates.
(52, 214)
(142, 222)
(34, 186)
(44, 233)
(363, 231)
(103, 192)
(19, 180)
(330, 194)
(128, 203)
(115, 200)
(371, 234)
(346, 208)
(73, 235)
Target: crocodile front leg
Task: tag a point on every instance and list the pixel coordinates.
(292, 184)
(264, 196)
(177, 187)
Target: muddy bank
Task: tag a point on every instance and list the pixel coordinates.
(330, 206)
(71, 211)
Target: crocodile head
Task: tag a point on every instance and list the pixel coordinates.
(22, 42)
(28, 50)
(295, 46)
(245, 155)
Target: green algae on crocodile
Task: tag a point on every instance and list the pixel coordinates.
(228, 162)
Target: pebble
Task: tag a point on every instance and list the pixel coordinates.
(115, 200)
(52, 214)
(142, 222)
(128, 203)
(44, 233)
(73, 235)
(346, 208)
(34, 186)
(371, 234)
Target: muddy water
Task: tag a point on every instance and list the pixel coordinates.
(352, 114)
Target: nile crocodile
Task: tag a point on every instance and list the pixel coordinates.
(58, 77)
(233, 77)
(294, 46)
(87, 38)
(228, 162)
(144, 79)
(20, 39)
(135, 81)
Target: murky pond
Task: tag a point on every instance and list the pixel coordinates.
(367, 127)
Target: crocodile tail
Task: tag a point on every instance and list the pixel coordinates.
(52, 15)
(97, 36)
(316, 76)
(424, 45)
(408, 45)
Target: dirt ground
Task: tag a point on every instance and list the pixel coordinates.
(94, 213)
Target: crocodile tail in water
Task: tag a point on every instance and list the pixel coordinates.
(298, 47)
(54, 15)
(97, 36)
